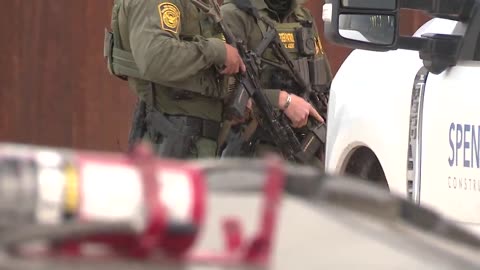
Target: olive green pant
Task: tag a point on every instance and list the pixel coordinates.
(199, 148)
(203, 148)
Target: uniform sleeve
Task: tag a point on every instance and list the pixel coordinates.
(161, 57)
(241, 24)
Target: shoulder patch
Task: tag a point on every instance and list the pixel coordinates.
(169, 17)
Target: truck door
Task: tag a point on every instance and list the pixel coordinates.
(450, 143)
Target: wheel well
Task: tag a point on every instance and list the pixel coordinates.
(364, 164)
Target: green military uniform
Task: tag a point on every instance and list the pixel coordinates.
(251, 30)
(169, 51)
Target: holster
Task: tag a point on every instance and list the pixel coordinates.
(138, 128)
(236, 146)
(177, 135)
(241, 140)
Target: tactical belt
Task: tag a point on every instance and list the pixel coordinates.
(172, 125)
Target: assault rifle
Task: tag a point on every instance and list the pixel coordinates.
(274, 122)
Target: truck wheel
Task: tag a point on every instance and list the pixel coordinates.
(364, 164)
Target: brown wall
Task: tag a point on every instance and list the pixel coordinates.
(54, 87)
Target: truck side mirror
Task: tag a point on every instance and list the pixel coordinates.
(372, 29)
(363, 24)
(373, 25)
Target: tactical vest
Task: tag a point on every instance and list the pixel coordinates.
(120, 63)
(300, 40)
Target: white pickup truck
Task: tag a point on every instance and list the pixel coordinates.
(404, 112)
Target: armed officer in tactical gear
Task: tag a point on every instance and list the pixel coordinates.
(300, 37)
(174, 58)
